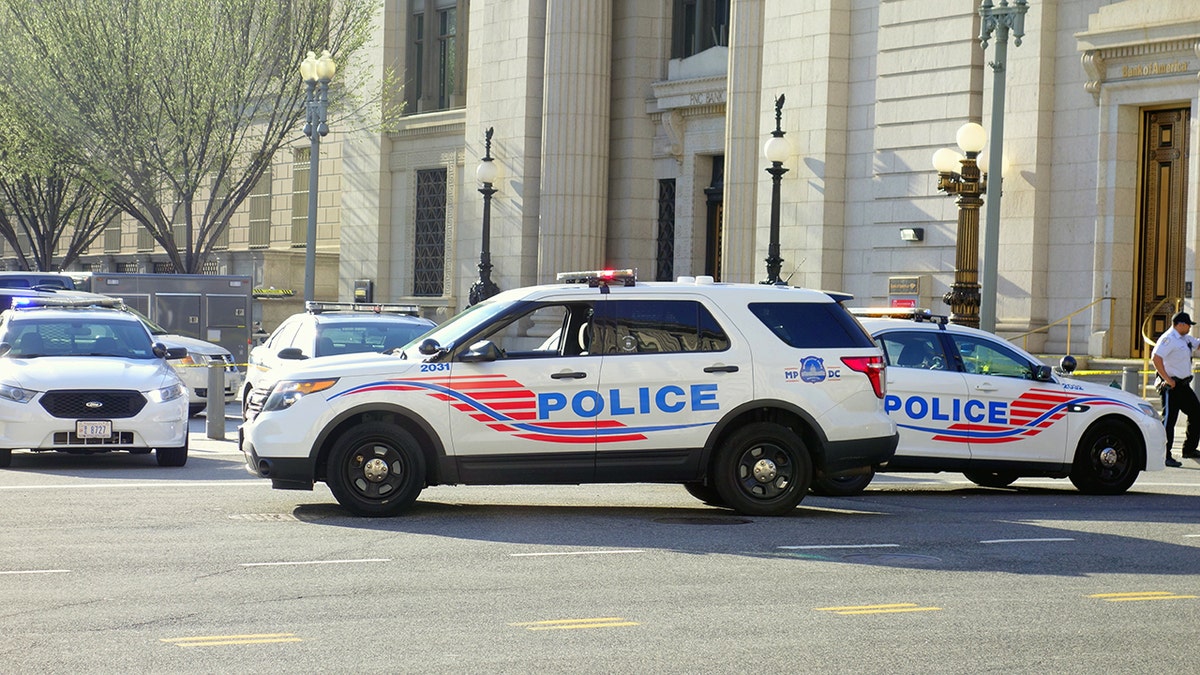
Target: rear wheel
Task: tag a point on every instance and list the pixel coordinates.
(172, 456)
(762, 469)
(705, 492)
(1107, 460)
(992, 479)
(842, 486)
(5, 459)
(376, 469)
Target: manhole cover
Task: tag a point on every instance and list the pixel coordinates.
(891, 559)
(703, 520)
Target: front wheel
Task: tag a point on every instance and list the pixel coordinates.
(762, 469)
(1107, 460)
(842, 486)
(172, 456)
(992, 479)
(705, 492)
(5, 458)
(376, 470)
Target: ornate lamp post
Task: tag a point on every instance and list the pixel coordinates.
(959, 177)
(776, 150)
(486, 173)
(316, 73)
(1000, 18)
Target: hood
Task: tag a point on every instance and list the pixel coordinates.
(47, 372)
(364, 364)
(1093, 389)
(193, 345)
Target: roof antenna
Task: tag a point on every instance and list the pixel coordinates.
(796, 269)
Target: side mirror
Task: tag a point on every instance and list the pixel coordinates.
(429, 347)
(484, 350)
(5, 348)
(1043, 374)
(160, 350)
(1067, 364)
(291, 354)
(176, 353)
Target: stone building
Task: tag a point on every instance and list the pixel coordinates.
(630, 133)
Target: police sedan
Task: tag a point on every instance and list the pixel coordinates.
(968, 401)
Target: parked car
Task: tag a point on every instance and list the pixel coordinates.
(83, 378)
(327, 328)
(968, 401)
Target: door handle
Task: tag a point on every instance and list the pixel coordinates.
(721, 369)
(573, 375)
(986, 387)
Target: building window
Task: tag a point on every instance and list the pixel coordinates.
(429, 242)
(145, 240)
(112, 235)
(260, 212)
(127, 267)
(436, 54)
(164, 268)
(300, 166)
(211, 267)
(665, 268)
(697, 25)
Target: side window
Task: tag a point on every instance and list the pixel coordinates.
(984, 357)
(659, 326)
(283, 335)
(543, 332)
(306, 340)
(913, 350)
(812, 325)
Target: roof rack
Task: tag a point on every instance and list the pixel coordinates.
(317, 307)
(915, 313)
(66, 302)
(594, 278)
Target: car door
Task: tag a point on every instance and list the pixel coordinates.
(925, 397)
(522, 397)
(671, 371)
(1011, 416)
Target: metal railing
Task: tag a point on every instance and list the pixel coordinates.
(1069, 318)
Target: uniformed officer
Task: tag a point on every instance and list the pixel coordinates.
(1172, 358)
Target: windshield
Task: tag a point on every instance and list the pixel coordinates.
(462, 324)
(78, 337)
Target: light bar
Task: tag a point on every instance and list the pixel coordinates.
(317, 307)
(914, 313)
(23, 302)
(593, 278)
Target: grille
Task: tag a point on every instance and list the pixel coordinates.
(231, 366)
(73, 404)
(254, 403)
(69, 438)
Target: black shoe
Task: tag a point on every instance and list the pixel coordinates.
(1171, 461)
(1191, 454)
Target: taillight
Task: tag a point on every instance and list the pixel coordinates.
(873, 367)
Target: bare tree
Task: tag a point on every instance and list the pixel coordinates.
(52, 212)
(174, 108)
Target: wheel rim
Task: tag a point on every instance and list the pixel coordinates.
(1110, 458)
(376, 471)
(765, 471)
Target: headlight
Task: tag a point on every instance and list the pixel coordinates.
(1148, 409)
(168, 393)
(286, 392)
(12, 392)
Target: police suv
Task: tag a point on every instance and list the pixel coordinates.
(741, 392)
(968, 401)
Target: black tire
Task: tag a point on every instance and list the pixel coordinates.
(194, 410)
(705, 492)
(762, 469)
(172, 456)
(376, 470)
(992, 479)
(5, 459)
(1107, 460)
(842, 486)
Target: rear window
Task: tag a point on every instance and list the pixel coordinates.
(812, 325)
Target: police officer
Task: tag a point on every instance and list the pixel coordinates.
(1172, 358)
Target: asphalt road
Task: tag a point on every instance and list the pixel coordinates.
(111, 564)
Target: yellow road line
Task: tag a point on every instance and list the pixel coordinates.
(217, 640)
(1137, 597)
(878, 609)
(572, 624)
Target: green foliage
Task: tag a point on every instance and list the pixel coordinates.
(157, 101)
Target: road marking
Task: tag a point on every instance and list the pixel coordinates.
(220, 640)
(1020, 541)
(1140, 596)
(823, 546)
(552, 553)
(316, 562)
(163, 484)
(574, 624)
(878, 609)
(36, 572)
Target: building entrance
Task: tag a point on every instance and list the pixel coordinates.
(1162, 223)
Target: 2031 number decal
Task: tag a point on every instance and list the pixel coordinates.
(430, 367)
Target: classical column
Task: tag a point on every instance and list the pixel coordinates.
(575, 136)
(743, 143)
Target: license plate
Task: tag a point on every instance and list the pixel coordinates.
(93, 428)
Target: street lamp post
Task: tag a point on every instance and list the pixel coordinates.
(959, 177)
(1000, 18)
(486, 173)
(776, 150)
(316, 73)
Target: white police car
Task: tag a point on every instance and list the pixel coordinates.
(968, 401)
(741, 392)
(81, 378)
